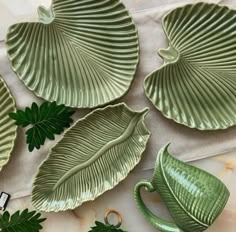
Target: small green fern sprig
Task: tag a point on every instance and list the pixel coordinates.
(44, 121)
(25, 221)
(101, 227)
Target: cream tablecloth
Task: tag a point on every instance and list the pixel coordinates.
(187, 144)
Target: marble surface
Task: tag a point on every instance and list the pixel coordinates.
(120, 198)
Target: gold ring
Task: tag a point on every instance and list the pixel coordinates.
(112, 211)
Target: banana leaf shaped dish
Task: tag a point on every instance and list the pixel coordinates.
(196, 86)
(7, 125)
(93, 156)
(194, 197)
(81, 53)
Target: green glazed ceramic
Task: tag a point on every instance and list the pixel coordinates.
(194, 197)
(93, 156)
(81, 53)
(197, 83)
(7, 125)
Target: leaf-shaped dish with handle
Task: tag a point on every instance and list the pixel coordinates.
(7, 125)
(81, 53)
(93, 156)
(196, 85)
(194, 197)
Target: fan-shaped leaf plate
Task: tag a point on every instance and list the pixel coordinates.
(81, 53)
(7, 125)
(196, 86)
(94, 156)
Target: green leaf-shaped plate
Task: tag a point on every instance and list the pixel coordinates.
(94, 156)
(7, 125)
(196, 86)
(82, 53)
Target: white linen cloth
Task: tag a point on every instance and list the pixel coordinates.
(187, 144)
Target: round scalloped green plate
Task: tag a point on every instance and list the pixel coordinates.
(81, 53)
(196, 86)
(7, 125)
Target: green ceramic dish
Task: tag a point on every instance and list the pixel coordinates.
(196, 86)
(194, 197)
(81, 53)
(93, 156)
(7, 125)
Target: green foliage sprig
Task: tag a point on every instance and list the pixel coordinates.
(25, 221)
(101, 227)
(44, 121)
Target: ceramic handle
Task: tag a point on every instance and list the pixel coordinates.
(160, 224)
